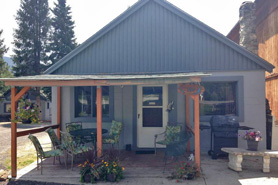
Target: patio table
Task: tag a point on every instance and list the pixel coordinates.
(87, 132)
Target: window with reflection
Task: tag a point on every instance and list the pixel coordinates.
(86, 104)
(152, 96)
(219, 98)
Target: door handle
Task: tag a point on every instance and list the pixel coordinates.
(138, 116)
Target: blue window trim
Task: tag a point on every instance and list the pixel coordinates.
(94, 119)
(239, 94)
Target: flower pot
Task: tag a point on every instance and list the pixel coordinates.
(111, 177)
(190, 176)
(26, 121)
(252, 145)
(87, 178)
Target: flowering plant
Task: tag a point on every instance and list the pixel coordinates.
(89, 169)
(185, 170)
(27, 111)
(253, 135)
(111, 168)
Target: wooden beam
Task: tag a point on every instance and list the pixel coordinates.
(197, 131)
(13, 133)
(187, 117)
(21, 93)
(36, 130)
(99, 122)
(59, 111)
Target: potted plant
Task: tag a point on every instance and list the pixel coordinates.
(89, 172)
(28, 112)
(111, 171)
(253, 138)
(185, 171)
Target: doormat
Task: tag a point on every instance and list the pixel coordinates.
(145, 152)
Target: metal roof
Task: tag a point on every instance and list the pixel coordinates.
(156, 36)
(103, 77)
(102, 80)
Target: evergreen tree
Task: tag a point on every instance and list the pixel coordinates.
(31, 37)
(4, 68)
(63, 40)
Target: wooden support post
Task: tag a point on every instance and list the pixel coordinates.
(197, 131)
(13, 133)
(99, 122)
(187, 117)
(59, 111)
(21, 93)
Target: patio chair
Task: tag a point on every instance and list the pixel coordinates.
(177, 147)
(56, 143)
(41, 154)
(74, 126)
(113, 136)
(72, 148)
(170, 135)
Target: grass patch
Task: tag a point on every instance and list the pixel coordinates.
(26, 155)
(22, 161)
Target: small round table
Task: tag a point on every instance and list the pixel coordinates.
(87, 132)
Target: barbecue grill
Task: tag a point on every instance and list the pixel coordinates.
(224, 133)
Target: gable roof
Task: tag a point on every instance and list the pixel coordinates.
(215, 49)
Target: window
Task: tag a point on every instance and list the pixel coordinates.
(7, 108)
(85, 101)
(219, 98)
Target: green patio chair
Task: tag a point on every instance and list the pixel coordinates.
(74, 126)
(113, 136)
(170, 135)
(41, 154)
(56, 143)
(71, 147)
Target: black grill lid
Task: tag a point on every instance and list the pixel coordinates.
(224, 123)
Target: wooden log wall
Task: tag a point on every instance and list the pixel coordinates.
(267, 35)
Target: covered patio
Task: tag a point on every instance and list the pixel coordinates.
(59, 81)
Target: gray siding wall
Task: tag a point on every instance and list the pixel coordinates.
(253, 106)
(155, 40)
(125, 108)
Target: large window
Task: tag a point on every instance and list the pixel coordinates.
(219, 98)
(85, 102)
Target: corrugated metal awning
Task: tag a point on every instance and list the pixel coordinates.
(104, 79)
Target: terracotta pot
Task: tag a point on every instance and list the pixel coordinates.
(111, 177)
(252, 145)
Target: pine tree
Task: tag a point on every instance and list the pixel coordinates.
(63, 40)
(4, 68)
(31, 37)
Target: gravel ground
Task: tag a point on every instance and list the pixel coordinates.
(22, 142)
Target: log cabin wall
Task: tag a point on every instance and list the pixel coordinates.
(267, 35)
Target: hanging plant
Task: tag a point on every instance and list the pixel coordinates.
(27, 112)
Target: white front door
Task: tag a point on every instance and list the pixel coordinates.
(152, 117)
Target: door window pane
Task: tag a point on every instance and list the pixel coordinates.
(152, 117)
(152, 96)
(219, 98)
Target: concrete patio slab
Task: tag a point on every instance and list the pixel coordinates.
(147, 169)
